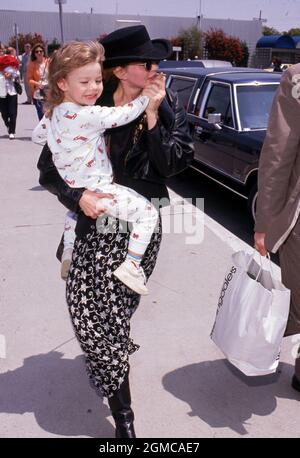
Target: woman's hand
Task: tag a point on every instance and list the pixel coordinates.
(259, 243)
(156, 91)
(90, 203)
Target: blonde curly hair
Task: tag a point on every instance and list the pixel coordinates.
(69, 57)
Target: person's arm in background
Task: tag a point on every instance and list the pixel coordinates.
(22, 68)
(277, 157)
(31, 77)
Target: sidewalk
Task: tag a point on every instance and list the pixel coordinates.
(181, 384)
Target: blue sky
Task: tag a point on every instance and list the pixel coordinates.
(281, 14)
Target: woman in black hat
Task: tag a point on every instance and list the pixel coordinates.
(143, 153)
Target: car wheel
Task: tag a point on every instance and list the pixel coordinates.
(252, 198)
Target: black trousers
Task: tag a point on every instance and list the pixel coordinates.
(9, 111)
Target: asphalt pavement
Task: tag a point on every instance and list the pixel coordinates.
(182, 386)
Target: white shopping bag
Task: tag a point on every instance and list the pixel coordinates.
(251, 317)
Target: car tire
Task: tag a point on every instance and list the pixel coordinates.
(252, 198)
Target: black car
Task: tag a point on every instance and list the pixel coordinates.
(228, 111)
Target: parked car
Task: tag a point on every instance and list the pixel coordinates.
(228, 111)
(193, 63)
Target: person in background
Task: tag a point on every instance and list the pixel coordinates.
(277, 65)
(277, 225)
(23, 71)
(143, 153)
(12, 52)
(8, 95)
(37, 77)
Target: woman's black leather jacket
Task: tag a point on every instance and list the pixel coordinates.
(165, 150)
(161, 152)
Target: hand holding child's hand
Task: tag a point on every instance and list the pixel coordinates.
(156, 91)
(90, 203)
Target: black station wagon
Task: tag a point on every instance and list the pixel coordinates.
(228, 111)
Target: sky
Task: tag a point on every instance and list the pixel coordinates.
(281, 14)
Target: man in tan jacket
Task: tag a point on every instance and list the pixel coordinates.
(277, 224)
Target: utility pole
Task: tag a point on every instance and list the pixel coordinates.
(199, 16)
(16, 32)
(60, 3)
(260, 19)
(199, 24)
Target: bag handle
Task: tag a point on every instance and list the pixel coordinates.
(260, 262)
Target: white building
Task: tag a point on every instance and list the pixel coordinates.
(83, 26)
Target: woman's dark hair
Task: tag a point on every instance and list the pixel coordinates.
(37, 45)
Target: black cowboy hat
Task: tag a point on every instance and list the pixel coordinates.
(133, 44)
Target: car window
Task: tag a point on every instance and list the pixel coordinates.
(218, 101)
(184, 88)
(254, 105)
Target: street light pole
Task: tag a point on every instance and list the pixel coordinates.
(60, 3)
(199, 23)
(16, 32)
(61, 24)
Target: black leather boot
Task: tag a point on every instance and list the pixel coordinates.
(295, 383)
(296, 376)
(120, 406)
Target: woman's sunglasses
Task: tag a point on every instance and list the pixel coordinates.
(147, 65)
(38, 51)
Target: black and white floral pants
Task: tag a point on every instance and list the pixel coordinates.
(100, 305)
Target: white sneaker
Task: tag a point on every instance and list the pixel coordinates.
(12, 136)
(132, 276)
(66, 260)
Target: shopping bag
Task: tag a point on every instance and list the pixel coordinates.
(251, 316)
(17, 86)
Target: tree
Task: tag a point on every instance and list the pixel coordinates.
(270, 31)
(176, 41)
(55, 44)
(295, 31)
(26, 38)
(244, 61)
(220, 46)
(190, 40)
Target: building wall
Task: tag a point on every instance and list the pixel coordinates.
(83, 26)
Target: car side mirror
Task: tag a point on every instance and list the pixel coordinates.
(215, 119)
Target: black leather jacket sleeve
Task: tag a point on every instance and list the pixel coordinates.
(52, 181)
(165, 150)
